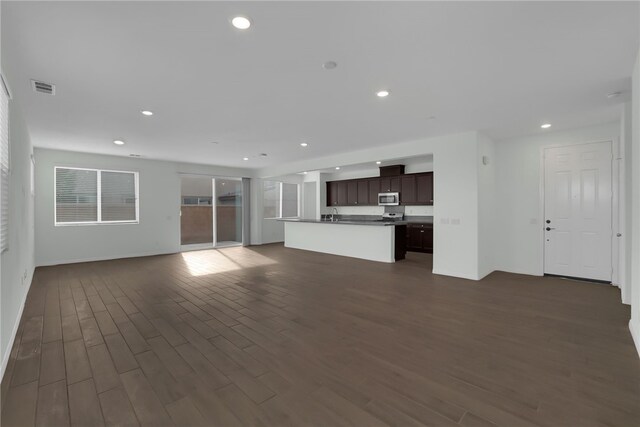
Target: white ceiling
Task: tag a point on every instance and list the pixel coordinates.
(503, 67)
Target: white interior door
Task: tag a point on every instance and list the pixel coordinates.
(577, 201)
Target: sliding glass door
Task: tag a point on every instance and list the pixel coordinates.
(228, 212)
(210, 212)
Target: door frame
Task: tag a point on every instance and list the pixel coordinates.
(617, 202)
(195, 246)
(214, 216)
(214, 244)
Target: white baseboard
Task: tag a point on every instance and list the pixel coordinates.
(101, 258)
(634, 327)
(5, 357)
(484, 274)
(455, 274)
(624, 295)
(527, 272)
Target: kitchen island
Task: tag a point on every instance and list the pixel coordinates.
(383, 241)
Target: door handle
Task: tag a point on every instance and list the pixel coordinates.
(550, 228)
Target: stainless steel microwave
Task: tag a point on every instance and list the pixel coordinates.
(388, 199)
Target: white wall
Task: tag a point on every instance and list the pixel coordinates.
(18, 261)
(196, 186)
(487, 224)
(634, 257)
(309, 200)
(624, 216)
(455, 230)
(159, 228)
(518, 242)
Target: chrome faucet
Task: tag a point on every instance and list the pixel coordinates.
(333, 211)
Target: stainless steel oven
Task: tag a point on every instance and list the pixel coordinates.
(388, 199)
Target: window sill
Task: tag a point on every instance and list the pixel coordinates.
(83, 224)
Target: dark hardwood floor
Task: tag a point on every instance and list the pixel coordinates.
(270, 336)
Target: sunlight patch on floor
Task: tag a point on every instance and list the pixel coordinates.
(213, 261)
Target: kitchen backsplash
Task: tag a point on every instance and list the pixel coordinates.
(418, 210)
(379, 210)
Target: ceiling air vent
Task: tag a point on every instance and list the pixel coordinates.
(42, 87)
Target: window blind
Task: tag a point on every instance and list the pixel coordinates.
(289, 200)
(4, 170)
(76, 195)
(90, 196)
(271, 199)
(280, 200)
(118, 192)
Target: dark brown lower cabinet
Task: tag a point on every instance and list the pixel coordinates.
(400, 243)
(420, 237)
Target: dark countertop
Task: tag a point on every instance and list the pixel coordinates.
(346, 222)
(365, 220)
(419, 219)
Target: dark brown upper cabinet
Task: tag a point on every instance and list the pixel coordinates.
(393, 170)
(407, 189)
(414, 189)
(332, 193)
(424, 189)
(390, 184)
(363, 192)
(352, 192)
(374, 189)
(342, 193)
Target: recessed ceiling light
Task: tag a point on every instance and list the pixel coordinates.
(614, 95)
(304, 173)
(245, 158)
(118, 142)
(241, 22)
(377, 163)
(146, 112)
(546, 126)
(337, 167)
(304, 144)
(382, 93)
(329, 65)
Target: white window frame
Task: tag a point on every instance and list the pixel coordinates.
(99, 198)
(280, 189)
